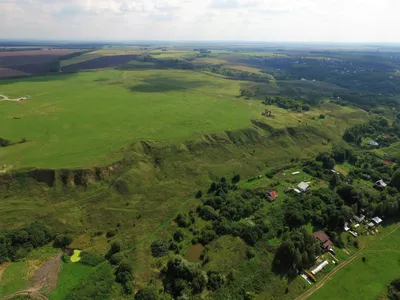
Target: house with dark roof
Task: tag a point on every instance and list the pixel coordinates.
(323, 240)
(272, 195)
(380, 185)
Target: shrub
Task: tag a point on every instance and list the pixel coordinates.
(179, 235)
(148, 293)
(63, 240)
(91, 259)
(111, 233)
(116, 258)
(236, 179)
(250, 253)
(159, 248)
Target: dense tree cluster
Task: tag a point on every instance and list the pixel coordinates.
(297, 250)
(183, 278)
(237, 74)
(287, 103)
(394, 290)
(17, 243)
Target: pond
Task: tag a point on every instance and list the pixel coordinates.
(194, 252)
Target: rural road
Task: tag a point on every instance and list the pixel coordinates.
(320, 284)
(5, 98)
(45, 277)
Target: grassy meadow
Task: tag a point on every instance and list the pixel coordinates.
(78, 120)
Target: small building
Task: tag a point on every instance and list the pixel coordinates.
(272, 195)
(376, 220)
(380, 185)
(371, 225)
(373, 143)
(323, 239)
(346, 227)
(303, 186)
(320, 267)
(387, 162)
(359, 219)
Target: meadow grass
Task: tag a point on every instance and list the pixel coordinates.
(71, 275)
(14, 278)
(78, 120)
(380, 268)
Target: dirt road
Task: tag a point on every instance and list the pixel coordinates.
(321, 283)
(45, 278)
(5, 98)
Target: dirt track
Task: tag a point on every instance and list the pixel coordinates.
(5, 98)
(45, 278)
(320, 284)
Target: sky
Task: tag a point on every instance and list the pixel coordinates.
(224, 20)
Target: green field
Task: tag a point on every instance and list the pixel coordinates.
(83, 119)
(367, 280)
(14, 278)
(71, 275)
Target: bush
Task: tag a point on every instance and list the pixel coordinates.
(148, 293)
(116, 258)
(250, 253)
(124, 275)
(199, 194)
(111, 233)
(236, 179)
(63, 240)
(91, 259)
(179, 235)
(207, 213)
(159, 248)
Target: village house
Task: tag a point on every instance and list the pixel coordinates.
(303, 187)
(380, 185)
(272, 195)
(324, 241)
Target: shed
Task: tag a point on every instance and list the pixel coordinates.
(376, 220)
(303, 186)
(359, 219)
(373, 143)
(320, 267)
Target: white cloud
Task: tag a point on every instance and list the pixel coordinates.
(256, 20)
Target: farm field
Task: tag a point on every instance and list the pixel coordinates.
(107, 110)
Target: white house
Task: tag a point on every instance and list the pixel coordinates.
(303, 186)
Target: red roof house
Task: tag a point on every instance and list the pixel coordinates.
(272, 195)
(323, 239)
(387, 162)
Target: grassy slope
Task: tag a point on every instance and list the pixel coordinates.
(380, 268)
(78, 120)
(14, 278)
